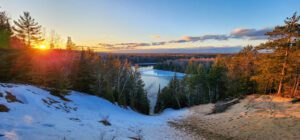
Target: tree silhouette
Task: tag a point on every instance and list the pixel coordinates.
(70, 44)
(5, 30)
(27, 29)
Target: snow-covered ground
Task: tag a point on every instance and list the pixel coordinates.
(42, 116)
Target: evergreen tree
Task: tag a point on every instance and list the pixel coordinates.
(86, 74)
(5, 30)
(139, 100)
(197, 83)
(282, 42)
(172, 96)
(27, 29)
(217, 80)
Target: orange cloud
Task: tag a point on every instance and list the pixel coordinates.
(155, 36)
(186, 38)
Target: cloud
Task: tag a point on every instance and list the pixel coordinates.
(239, 33)
(205, 37)
(252, 34)
(125, 45)
(105, 45)
(185, 39)
(132, 45)
(158, 43)
(155, 36)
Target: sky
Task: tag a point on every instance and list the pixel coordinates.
(157, 25)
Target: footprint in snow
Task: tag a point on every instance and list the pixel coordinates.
(48, 125)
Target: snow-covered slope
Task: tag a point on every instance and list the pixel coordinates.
(39, 115)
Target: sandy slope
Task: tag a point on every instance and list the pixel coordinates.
(256, 117)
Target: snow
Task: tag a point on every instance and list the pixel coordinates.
(44, 116)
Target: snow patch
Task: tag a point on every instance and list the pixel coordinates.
(37, 120)
(11, 135)
(27, 119)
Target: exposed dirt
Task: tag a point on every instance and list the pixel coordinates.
(260, 117)
(3, 108)
(58, 93)
(58, 105)
(105, 122)
(11, 98)
(75, 119)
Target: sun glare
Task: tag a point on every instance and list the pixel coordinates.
(42, 47)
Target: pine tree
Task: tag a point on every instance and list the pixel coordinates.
(138, 96)
(5, 30)
(282, 41)
(172, 96)
(86, 77)
(197, 83)
(217, 80)
(27, 29)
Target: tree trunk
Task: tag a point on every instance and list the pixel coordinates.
(272, 87)
(266, 88)
(295, 88)
(29, 38)
(280, 87)
(209, 92)
(176, 95)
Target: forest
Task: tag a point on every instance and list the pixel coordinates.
(272, 67)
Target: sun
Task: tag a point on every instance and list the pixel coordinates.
(43, 47)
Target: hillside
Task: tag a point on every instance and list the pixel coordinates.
(257, 117)
(36, 114)
(29, 112)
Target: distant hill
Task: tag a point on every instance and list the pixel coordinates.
(220, 50)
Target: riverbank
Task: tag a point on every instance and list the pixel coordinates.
(255, 117)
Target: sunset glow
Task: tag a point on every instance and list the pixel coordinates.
(156, 25)
(149, 69)
(42, 47)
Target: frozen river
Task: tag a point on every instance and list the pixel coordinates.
(154, 79)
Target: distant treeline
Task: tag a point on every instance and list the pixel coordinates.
(250, 71)
(180, 65)
(158, 57)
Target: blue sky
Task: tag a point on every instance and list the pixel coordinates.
(111, 22)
